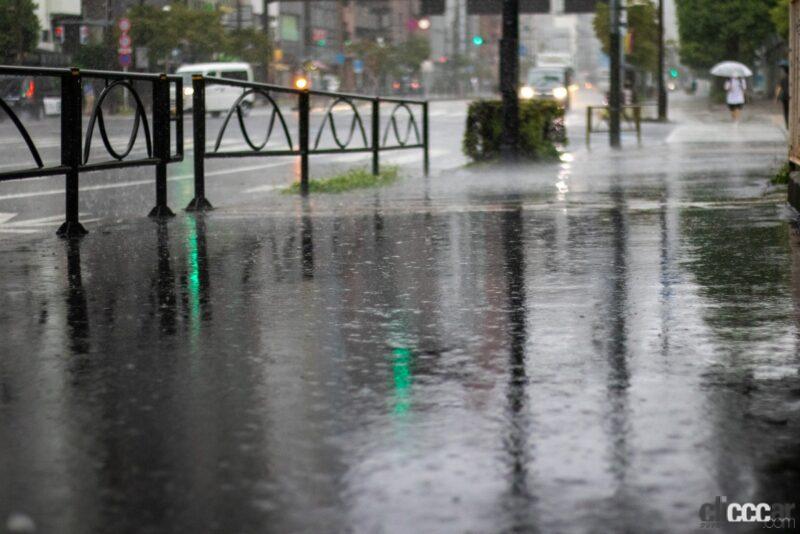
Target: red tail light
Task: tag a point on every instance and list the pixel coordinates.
(30, 90)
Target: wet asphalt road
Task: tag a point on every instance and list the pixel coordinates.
(597, 345)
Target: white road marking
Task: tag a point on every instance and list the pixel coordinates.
(134, 183)
(4, 230)
(32, 226)
(264, 188)
(46, 221)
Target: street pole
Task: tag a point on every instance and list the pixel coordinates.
(662, 90)
(265, 28)
(615, 96)
(509, 79)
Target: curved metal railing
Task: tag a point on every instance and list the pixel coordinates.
(412, 136)
(76, 145)
(329, 119)
(237, 108)
(76, 149)
(411, 125)
(23, 132)
(140, 115)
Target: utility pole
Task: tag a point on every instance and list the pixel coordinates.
(615, 96)
(662, 90)
(509, 79)
(456, 52)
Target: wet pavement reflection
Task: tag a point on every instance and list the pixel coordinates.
(575, 349)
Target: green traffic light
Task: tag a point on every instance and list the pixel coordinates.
(477, 40)
(674, 73)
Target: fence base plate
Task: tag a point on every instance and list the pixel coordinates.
(71, 229)
(161, 212)
(199, 204)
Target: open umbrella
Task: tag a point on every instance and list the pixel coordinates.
(731, 69)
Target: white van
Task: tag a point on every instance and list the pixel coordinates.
(219, 98)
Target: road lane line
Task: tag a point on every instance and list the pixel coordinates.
(134, 183)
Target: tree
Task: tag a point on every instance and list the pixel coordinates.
(249, 45)
(19, 29)
(717, 30)
(642, 24)
(412, 53)
(197, 34)
(382, 60)
(780, 18)
(95, 56)
(378, 58)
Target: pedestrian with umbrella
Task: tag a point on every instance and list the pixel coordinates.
(735, 86)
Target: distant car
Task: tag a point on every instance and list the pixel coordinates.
(407, 85)
(219, 98)
(548, 83)
(31, 95)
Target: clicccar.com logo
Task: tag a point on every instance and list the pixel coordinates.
(721, 512)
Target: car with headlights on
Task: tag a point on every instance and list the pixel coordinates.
(548, 83)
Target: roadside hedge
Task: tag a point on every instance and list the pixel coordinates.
(541, 128)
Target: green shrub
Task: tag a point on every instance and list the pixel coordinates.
(349, 180)
(541, 127)
(782, 176)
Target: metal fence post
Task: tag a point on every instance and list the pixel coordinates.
(426, 162)
(638, 115)
(305, 110)
(161, 138)
(71, 109)
(199, 202)
(588, 125)
(376, 136)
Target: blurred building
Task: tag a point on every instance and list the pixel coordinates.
(52, 15)
(315, 38)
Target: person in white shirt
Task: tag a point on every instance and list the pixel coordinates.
(735, 88)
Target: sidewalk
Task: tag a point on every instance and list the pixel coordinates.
(609, 341)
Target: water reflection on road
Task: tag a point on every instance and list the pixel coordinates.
(505, 366)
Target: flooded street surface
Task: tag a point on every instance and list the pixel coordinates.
(598, 345)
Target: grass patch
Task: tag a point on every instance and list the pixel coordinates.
(782, 176)
(349, 180)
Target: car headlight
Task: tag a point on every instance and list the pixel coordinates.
(560, 93)
(527, 93)
(188, 91)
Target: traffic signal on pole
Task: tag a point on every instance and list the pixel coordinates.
(477, 40)
(673, 73)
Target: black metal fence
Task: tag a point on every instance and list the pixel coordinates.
(76, 145)
(402, 130)
(598, 119)
(405, 127)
